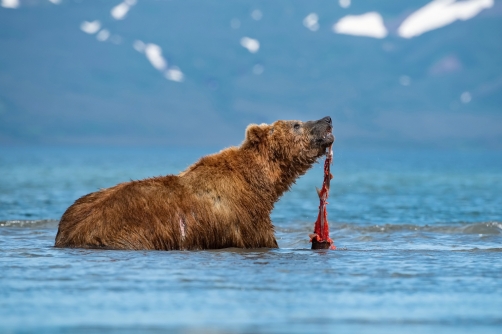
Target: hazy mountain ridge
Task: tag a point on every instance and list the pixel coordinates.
(59, 85)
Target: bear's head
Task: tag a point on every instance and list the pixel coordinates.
(291, 142)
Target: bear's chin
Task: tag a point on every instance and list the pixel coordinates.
(322, 145)
(315, 153)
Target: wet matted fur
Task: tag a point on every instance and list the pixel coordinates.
(222, 200)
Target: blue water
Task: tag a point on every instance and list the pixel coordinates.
(419, 235)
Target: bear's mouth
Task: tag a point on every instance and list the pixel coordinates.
(326, 138)
(321, 132)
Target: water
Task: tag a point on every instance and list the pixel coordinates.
(419, 236)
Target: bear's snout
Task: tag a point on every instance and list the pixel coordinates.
(321, 131)
(327, 119)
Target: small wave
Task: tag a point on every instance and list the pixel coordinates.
(476, 249)
(43, 223)
(485, 228)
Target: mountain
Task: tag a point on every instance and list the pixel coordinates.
(62, 85)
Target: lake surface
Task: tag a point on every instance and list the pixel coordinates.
(419, 237)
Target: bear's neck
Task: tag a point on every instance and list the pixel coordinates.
(272, 174)
(264, 178)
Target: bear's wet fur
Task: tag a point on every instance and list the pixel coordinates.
(223, 200)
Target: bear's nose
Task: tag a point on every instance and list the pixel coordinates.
(327, 119)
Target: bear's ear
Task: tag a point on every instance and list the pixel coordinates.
(257, 133)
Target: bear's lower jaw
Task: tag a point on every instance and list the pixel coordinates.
(322, 144)
(315, 153)
(328, 140)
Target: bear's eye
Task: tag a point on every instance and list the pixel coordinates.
(297, 126)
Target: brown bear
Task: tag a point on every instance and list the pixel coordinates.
(223, 200)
